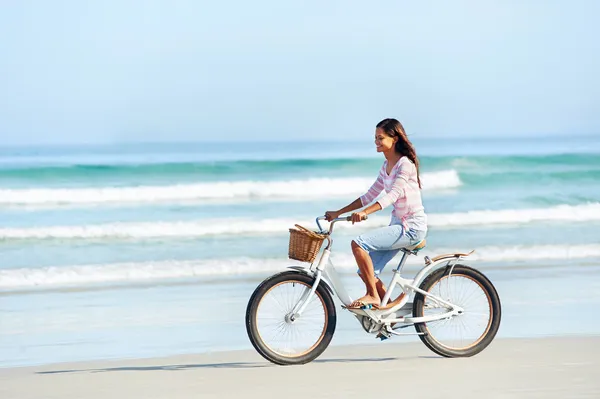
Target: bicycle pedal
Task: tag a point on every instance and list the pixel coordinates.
(383, 335)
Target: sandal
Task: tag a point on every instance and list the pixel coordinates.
(362, 305)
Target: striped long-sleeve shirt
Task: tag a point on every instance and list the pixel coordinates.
(402, 190)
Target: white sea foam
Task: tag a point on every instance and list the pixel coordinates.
(566, 213)
(247, 226)
(78, 275)
(226, 190)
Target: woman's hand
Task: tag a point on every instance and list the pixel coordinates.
(330, 215)
(359, 217)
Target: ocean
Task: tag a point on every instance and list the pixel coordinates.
(134, 250)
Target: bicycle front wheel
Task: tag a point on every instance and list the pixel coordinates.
(469, 332)
(281, 338)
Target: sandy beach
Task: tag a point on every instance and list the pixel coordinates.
(553, 367)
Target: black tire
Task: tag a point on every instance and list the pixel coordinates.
(494, 307)
(252, 325)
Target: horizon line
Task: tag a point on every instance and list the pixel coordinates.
(284, 141)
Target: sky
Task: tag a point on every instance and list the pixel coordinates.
(121, 71)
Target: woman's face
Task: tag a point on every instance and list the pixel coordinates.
(383, 142)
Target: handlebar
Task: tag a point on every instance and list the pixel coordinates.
(342, 219)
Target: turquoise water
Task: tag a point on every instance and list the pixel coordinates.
(87, 230)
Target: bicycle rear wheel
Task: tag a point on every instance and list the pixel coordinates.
(272, 331)
(465, 334)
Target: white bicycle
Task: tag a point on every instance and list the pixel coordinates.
(291, 316)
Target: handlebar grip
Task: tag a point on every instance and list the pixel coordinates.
(346, 218)
(349, 218)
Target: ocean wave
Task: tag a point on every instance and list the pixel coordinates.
(566, 213)
(143, 166)
(247, 226)
(84, 165)
(225, 190)
(134, 272)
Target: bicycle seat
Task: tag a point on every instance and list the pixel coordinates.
(418, 246)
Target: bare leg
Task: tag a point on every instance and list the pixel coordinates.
(395, 302)
(367, 274)
(378, 285)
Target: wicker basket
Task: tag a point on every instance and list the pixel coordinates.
(304, 244)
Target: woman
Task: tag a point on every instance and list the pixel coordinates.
(399, 179)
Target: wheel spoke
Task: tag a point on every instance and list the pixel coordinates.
(465, 330)
(278, 332)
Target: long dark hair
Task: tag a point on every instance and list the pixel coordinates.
(393, 128)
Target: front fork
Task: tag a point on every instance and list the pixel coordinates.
(308, 293)
(305, 298)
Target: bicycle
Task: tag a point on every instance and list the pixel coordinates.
(303, 295)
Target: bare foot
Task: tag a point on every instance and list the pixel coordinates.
(366, 300)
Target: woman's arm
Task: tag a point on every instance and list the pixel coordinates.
(361, 201)
(360, 216)
(356, 217)
(398, 189)
(330, 215)
(354, 205)
(366, 198)
(373, 191)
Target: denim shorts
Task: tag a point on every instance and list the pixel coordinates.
(384, 243)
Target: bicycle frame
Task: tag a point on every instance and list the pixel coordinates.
(325, 270)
